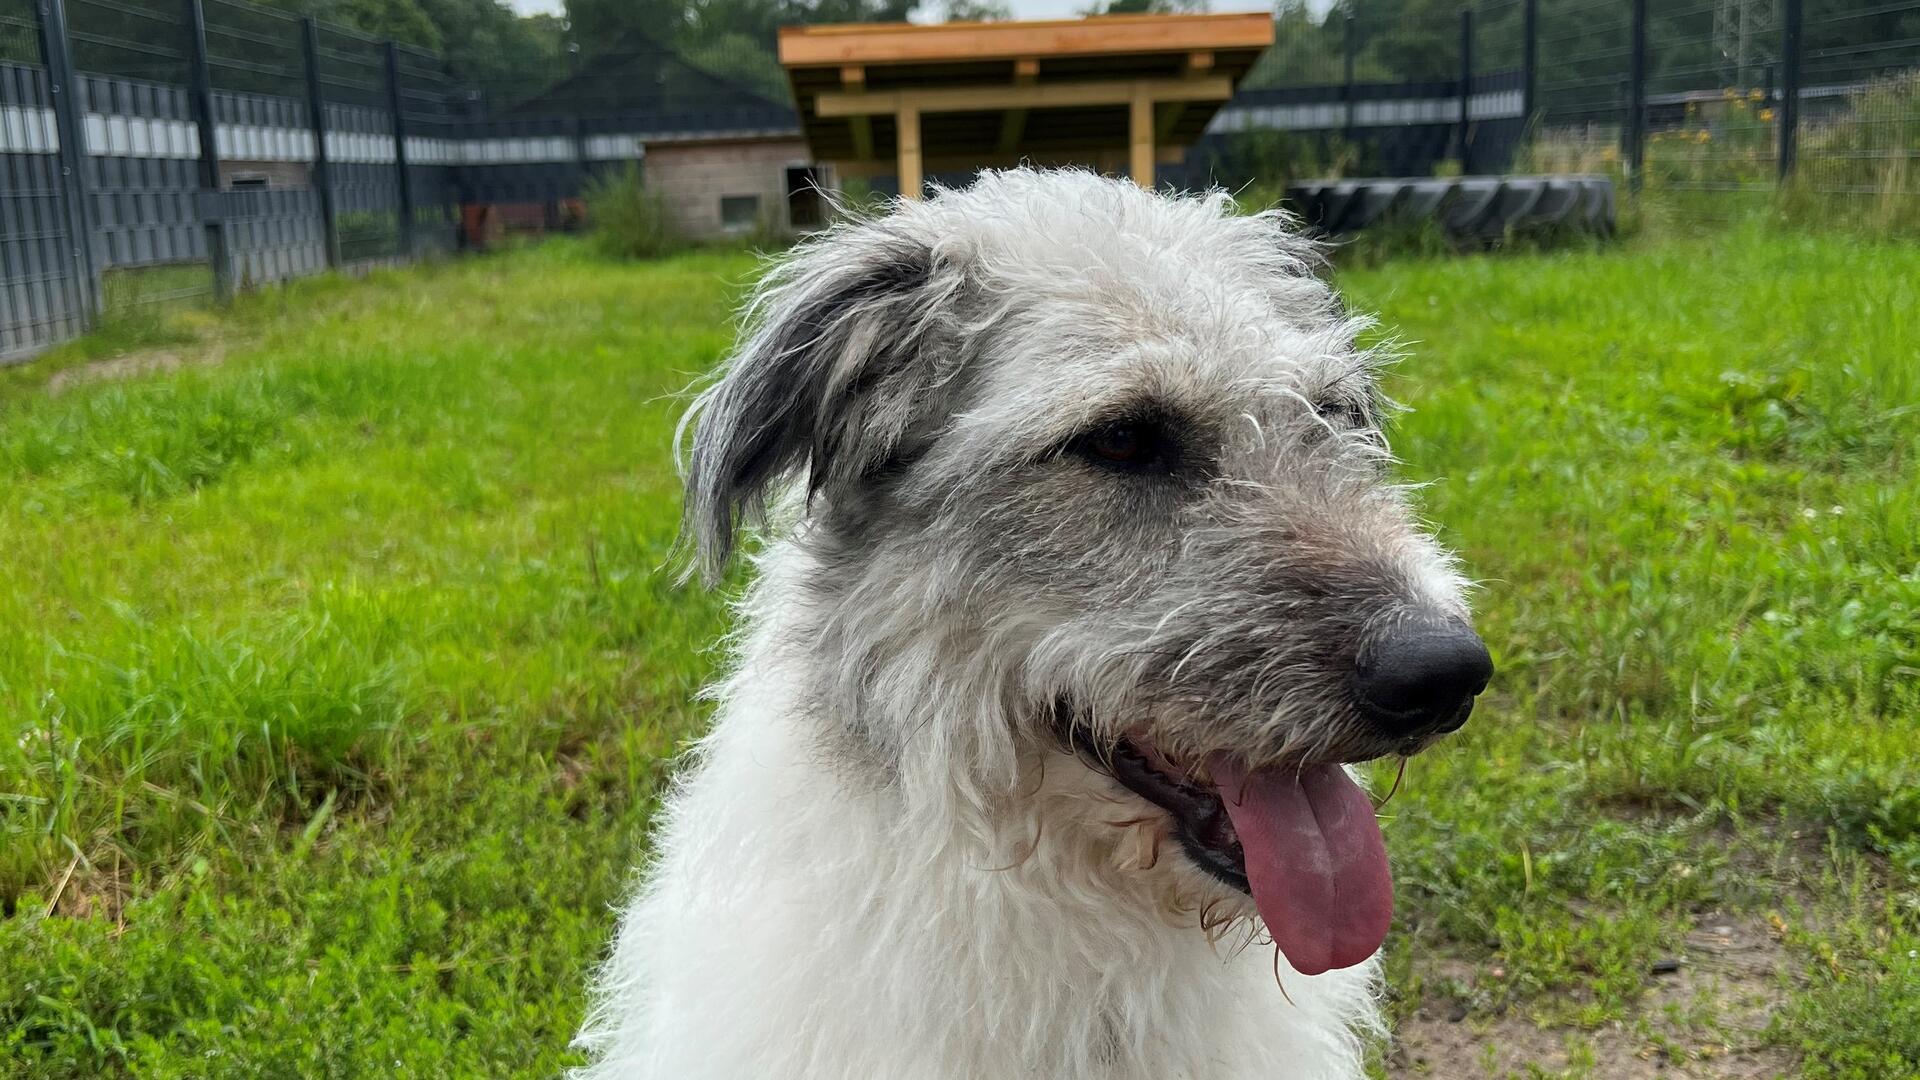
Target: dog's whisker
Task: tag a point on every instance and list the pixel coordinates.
(1277, 980)
(1398, 775)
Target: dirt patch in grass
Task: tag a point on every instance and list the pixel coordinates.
(1703, 1017)
(133, 365)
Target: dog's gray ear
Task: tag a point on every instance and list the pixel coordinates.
(843, 343)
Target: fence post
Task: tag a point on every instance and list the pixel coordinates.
(1529, 62)
(404, 174)
(577, 133)
(200, 97)
(1789, 115)
(1350, 44)
(317, 119)
(1634, 131)
(1466, 90)
(76, 185)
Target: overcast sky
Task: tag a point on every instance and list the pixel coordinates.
(1022, 9)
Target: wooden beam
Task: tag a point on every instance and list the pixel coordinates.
(1140, 138)
(1042, 96)
(853, 78)
(908, 121)
(1200, 62)
(1026, 71)
(868, 43)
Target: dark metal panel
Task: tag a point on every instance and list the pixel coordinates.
(274, 235)
(40, 295)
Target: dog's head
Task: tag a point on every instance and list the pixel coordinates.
(1089, 468)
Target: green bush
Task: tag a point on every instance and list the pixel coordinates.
(629, 221)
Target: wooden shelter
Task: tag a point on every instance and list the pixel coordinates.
(878, 99)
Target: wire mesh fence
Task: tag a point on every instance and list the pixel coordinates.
(254, 50)
(1859, 140)
(153, 151)
(332, 147)
(1721, 107)
(142, 163)
(19, 33)
(132, 39)
(1728, 107)
(41, 302)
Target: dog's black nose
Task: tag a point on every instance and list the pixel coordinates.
(1423, 679)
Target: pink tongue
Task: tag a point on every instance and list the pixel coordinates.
(1315, 860)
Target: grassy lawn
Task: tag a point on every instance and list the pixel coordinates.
(337, 676)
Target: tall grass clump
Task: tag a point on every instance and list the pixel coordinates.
(1857, 168)
(1861, 170)
(628, 220)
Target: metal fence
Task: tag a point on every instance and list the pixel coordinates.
(158, 150)
(1269, 135)
(1719, 105)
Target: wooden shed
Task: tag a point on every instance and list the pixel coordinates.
(1117, 93)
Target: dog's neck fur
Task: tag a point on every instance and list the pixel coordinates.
(810, 917)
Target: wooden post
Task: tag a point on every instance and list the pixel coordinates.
(1140, 139)
(907, 120)
(1013, 122)
(853, 79)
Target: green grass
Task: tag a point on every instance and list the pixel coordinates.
(1685, 475)
(336, 679)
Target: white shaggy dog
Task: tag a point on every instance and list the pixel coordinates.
(1085, 580)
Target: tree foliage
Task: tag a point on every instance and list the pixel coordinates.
(1143, 7)
(732, 38)
(485, 44)
(973, 10)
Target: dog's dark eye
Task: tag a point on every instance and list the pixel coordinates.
(1132, 444)
(1342, 412)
